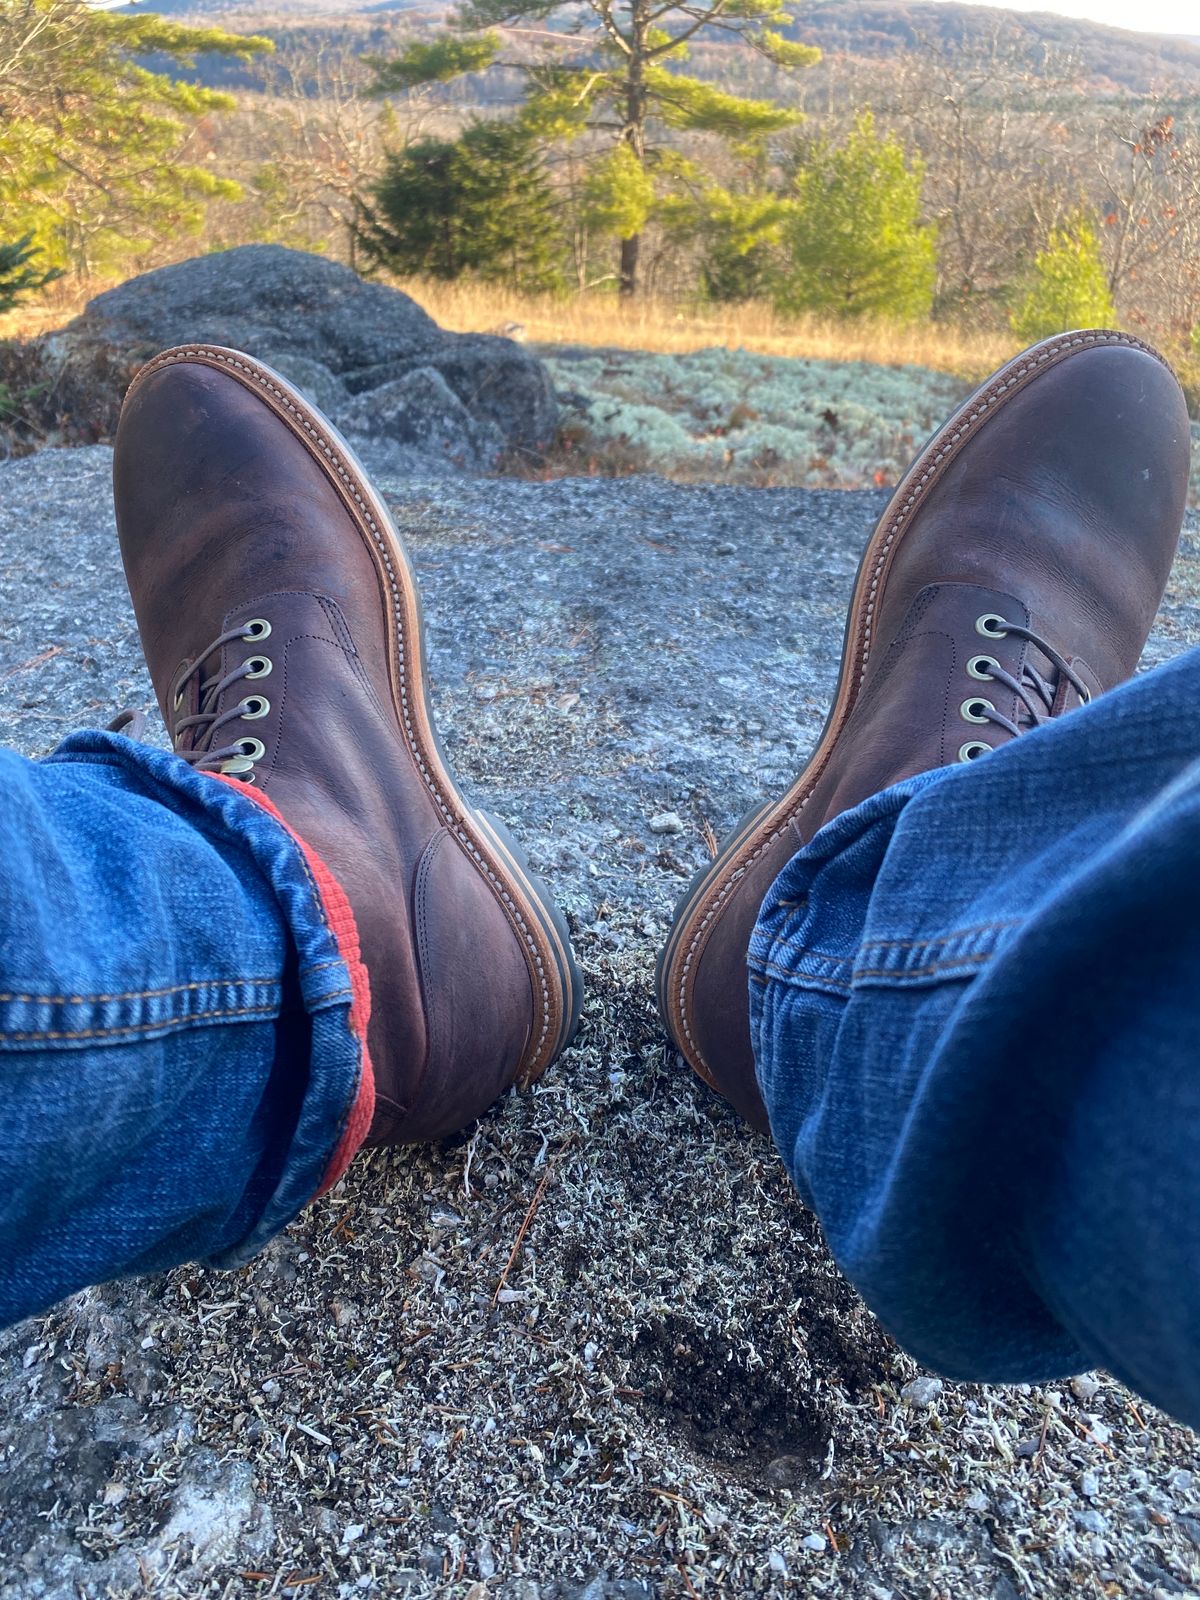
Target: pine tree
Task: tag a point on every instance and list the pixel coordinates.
(737, 238)
(93, 161)
(615, 75)
(1067, 287)
(479, 206)
(853, 241)
(18, 275)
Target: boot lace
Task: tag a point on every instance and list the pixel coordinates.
(1036, 693)
(203, 737)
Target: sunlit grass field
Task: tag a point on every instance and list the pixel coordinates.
(666, 327)
(659, 326)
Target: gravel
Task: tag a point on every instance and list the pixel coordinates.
(676, 1393)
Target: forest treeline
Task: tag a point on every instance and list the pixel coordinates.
(704, 150)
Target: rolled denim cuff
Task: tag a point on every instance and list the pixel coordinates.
(338, 1100)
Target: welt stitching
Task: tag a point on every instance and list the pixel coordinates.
(137, 994)
(141, 1027)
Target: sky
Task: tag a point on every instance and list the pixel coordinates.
(1146, 16)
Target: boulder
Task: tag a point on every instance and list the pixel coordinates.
(366, 355)
(422, 411)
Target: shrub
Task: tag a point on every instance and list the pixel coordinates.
(854, 244)
(17, 274)
(478, 206)
(1067, 287)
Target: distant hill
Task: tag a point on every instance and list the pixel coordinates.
(1114, 59)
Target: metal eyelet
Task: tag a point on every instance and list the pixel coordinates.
(256, 628)
(983, 667)
(1085, 696)
(259, 666)
(967, 712)
(973, 749)
(255, 706)
(983, 625)
(177, 703)
(237, 766)
(252, 749)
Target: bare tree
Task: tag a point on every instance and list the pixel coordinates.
(992, 121)
(1147, 166)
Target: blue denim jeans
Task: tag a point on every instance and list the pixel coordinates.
(179, 1056)
(975, 1004)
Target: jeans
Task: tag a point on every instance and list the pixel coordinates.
(182, 1057)
(973, 1000)
(975, 1004)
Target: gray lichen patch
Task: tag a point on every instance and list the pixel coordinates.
(668, 1388)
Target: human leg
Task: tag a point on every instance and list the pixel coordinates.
(182, 1021)
(283, 634)
(974, 1008)
(1013, 579)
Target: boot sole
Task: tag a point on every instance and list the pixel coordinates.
(537, 921)
(699, 908)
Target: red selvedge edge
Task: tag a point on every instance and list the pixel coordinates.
(340, 917)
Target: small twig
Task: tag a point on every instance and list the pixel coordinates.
(521, 1232)
(669, 1494)
(687, 1581)
(35, 661)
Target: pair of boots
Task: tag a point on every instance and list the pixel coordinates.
(1014, 575)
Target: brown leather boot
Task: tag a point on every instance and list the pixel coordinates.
(1015, 574)
(280, 621)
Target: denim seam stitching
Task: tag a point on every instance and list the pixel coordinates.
(946, 938)
(172, 1023)
(776, 971)
(929, 970)
(856, 973)
(142, 994)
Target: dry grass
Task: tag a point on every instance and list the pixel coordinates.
(668, 327)
(665, 327)
(51, 309)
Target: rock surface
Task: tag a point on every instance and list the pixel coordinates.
(668, 1390)
(366, 354)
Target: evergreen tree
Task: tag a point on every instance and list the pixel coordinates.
(1067, 287)
(853, 241)
(479, 205)
(18, 275)
(737, 237)
(615, 74)
(92, 143)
